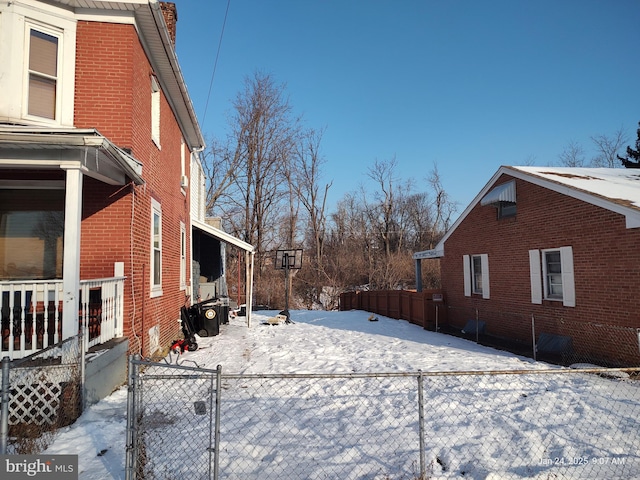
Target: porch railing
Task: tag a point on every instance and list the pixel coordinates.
(31, 315)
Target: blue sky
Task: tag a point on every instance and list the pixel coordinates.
(469, 85)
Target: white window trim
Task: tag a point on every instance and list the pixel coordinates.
(155, 290)
(155, 111)
(15, 22)
(58, 34)
(183, 256)
(538, 276)
(468, 275)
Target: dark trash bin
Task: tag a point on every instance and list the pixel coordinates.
(210, 315)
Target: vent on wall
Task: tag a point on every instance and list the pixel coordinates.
(184, 181)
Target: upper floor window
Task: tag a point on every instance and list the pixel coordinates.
(506, 209)
(503, 198)
(37, 66)
(43, 74)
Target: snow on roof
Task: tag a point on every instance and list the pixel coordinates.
(616, 189)
(620, 185)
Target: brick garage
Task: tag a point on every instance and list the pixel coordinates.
(584, 210)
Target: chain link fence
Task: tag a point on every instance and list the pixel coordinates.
(185, 422)
(547, 337)
(40, 394)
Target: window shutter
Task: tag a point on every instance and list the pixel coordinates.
(484, 259)
(535, 276)
(568, 283)
(466, 268)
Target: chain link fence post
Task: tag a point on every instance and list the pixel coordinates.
(423, 467)
(216, 450)
(4, 416)
(131, 446)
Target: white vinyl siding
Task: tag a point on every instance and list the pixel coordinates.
(37, 65)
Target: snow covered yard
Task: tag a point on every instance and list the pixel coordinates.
(476, 426)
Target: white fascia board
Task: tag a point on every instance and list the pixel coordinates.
(222, 235)
(632, 216)
(463, 215)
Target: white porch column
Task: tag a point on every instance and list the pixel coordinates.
(248, 258)
(71, 249)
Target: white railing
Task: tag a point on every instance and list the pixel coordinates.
(101, 309)
(31, 315)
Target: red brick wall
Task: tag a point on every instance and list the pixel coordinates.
(605, 257)
(113, 95)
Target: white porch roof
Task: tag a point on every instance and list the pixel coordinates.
(85, 149)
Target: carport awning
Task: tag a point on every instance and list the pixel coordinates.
(223, 236)
(502, 193)
(249, 254)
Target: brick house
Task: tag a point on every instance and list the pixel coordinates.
(101, 182)
(549, 257)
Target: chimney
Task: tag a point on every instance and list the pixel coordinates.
(170, 14)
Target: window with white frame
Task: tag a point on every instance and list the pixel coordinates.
(551, 272)
(37, 64)
(183, 256)
(476, 275)
(155, 111)
(42, 72)
(156, 248)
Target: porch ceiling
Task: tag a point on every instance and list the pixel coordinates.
(94, 154)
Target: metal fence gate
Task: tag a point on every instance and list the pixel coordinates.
(187, 422)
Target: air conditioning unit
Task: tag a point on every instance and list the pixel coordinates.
(184, 181)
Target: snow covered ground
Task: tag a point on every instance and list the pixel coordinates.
(570, 424)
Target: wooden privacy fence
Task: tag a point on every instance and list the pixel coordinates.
(420, 308)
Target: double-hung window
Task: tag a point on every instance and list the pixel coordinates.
(156, 249)
(551, 272)
(42, 73)
(476, 275)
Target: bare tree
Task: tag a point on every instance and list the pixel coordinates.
(314, 201)
(252, 165)
(572, 155)
(443, 208)
(607, 148)
(220, 166)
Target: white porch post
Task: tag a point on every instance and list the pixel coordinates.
(248, 256)
(71, 260)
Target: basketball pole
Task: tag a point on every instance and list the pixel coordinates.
(286, 282)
